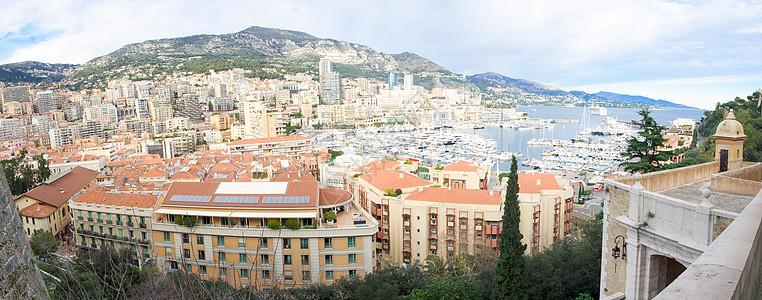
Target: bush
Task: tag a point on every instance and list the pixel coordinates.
(292, 224)
(273, 224)
(408, 162)
(43, 243)
(398, 192)
(330, 215)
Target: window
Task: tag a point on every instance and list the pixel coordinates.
(352, 274)
(244, 274)
(287, 260)
(173, 265)
(201, 255)
(142, 235)
(111, 231)
(241, 243)
(352, 258)
(224, 221)
(223, 272)
(304, 244)
(222, 257)
(265, 260)
(288, 275)
(166, 236)
(186, 253)
(204, 220)
(242, 258)
(286, 243)
(328, 243)
(189, 268)
(351, 242)
(168, 251)
(329, 259)
(328, 275)
(266, 274)
(200, 240)
(220, 241)
(305, 260)
(100, 229)
(202, 270)
(263, 243)
(244, 222)
(305, 275)
(186, 239)
(121, 233)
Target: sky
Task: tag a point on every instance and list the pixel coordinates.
(690, 52)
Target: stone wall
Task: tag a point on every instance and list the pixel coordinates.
(720, 223)
(19, 277)
(662, 180)
(730, 268)
(721, 183)
(614, 270)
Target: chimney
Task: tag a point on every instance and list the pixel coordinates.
(288, 175)
(61, 191)
(402, 175)
(420, 189)
(538, 182)
(449, 188)
(299, 174)
(491, 193)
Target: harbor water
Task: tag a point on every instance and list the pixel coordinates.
(515, 140)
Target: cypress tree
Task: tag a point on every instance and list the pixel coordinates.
(510, 273)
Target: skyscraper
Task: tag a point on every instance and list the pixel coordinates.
(47, 101)
(408, 82)
(141, 108)
(330, 83)
(392, 80)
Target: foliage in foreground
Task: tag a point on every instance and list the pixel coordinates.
(566, 271)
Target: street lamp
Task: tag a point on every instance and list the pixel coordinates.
(616, 251)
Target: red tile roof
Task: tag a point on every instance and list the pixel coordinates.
(461, 166)
(58, 192)
(333, 196)
(391, 179)
(461, 196)
(127, 199)
(38, 210)
(535, 182)
(379, 165)
(296, 188)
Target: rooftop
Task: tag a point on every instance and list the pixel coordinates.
(278, 139)
(297, 194)
(62, 189)
(103, 196)
(535, 182)
(390, 179)
(723, 200)
(38, 210)
(461, 166)
(460, 196)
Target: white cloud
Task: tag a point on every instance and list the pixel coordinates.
(571, 43)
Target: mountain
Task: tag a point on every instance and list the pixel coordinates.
(515, 89)
(262, 50)
(34, 72)
(640, 100)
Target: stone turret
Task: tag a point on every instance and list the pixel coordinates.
(729, 143)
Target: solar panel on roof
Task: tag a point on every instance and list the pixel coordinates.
(286, 200)
(190, 198)
(236, 199)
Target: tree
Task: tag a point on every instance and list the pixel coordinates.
(43, 171)
(643, 148)
(461, 287)
(43, 243)
(510, 274)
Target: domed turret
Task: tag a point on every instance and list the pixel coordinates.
(729, 143)
(730, 128)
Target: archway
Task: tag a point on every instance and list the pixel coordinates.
(662, 271)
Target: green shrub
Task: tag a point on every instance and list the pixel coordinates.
(273, 224)
(292, 224)
(398, 192)
(330, 215)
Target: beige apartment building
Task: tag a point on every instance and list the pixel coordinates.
(292, 146)
(429, 220)
(238, 232)
(121, 219)
(47, 206)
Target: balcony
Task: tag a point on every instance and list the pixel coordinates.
(80, 218)
(89, 219)
(109, 222)
(143, 225)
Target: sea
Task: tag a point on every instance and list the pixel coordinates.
(514, 140)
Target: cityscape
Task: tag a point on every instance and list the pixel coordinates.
(272, 164)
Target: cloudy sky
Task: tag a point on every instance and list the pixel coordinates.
(690, 52)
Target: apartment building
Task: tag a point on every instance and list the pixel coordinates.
(121, 219)
(418, 218)
(232, 231)
(292, 146)
(47, 206)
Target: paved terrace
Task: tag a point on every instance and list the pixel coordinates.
(691, 192)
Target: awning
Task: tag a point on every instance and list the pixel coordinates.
(233, 214)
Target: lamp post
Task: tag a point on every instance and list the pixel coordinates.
(616, 251)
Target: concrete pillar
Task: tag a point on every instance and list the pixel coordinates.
(636, 199)
(702, 228)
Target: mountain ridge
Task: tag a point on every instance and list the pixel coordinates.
(267, 51)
